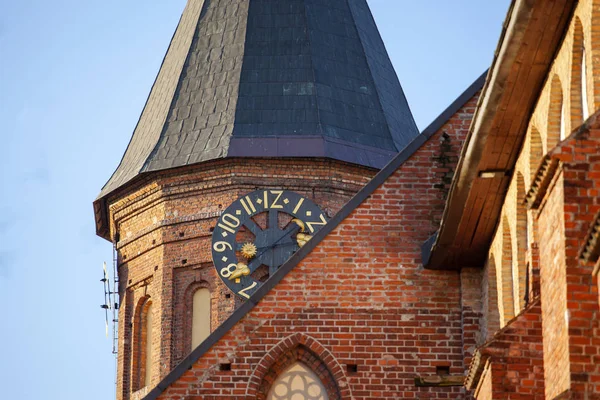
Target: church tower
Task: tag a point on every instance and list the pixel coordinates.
(293, 99)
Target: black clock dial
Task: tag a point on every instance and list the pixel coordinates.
(258, 233)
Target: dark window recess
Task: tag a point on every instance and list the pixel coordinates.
(225, 367)
(442, 370)
(352, 368)
(184, 261)
(181, 234)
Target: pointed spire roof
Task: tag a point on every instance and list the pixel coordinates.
(279, 78)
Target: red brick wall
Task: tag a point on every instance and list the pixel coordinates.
(361, 298)
(554, 291)
(472, 313)
(490, 319)
(516, 361)
(569, 292)
(581, 204)
(164, 231)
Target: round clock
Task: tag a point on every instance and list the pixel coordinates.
(258, 233)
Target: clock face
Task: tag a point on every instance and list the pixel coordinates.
(258, 233)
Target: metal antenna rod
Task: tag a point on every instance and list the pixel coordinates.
(115, 301)
(115, 306)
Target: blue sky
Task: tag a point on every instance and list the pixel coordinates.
(74, 76)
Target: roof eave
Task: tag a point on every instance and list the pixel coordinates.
(501, 72)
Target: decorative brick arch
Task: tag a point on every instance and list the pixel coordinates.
(536, 152)
(595, 54)
(576, 91)
(520, 250)
(554, 114)
(294, 348)
(508, 302)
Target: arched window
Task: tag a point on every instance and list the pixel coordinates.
(579, 105)
(536, 152)
(556, 112)
(522, 242)
(507, 273)
(298, 383)
(584, 95)
(490, 299)
(143, 349)
(200, 316)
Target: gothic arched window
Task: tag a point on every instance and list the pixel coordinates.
(298, 383)
(579, 95)
(556, 115)
(143, 337)
(507, 274)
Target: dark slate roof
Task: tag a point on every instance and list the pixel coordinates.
(271, 78)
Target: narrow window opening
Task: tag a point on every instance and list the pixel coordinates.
(200, 316)
(149, 338)
(352, 369)
(584, 97)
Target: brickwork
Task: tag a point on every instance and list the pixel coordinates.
(579, 160)
(490, 318)
(554, 291)
(303, 348)
(515, 367)
(363, 296)
(560, 96)
(360, 310)
(540, 246)
(163, 227)
(472, 311)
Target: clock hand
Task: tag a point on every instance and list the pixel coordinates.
(277, 245)
(289, 231)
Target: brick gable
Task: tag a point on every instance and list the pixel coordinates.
(361, 294)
